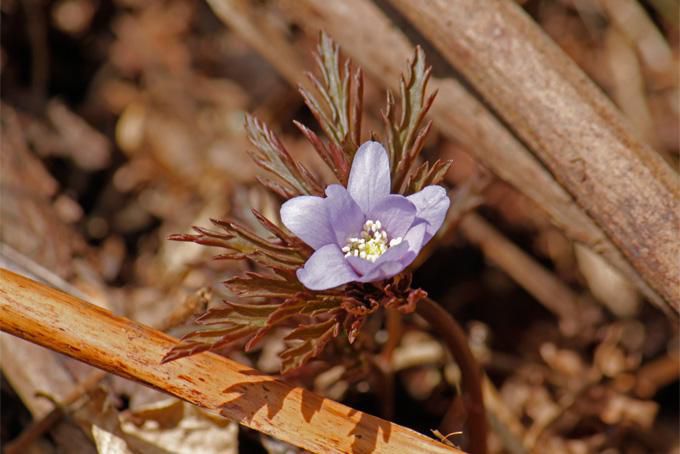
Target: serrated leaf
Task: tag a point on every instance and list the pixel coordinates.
(255, 285)
(226, 324)
(337, 106)
(271, 155)
(404, 135)
(242, 242)
(286, 238)
(297, 306)
(209, 339)
(426, 175)
(314, 338)
(334, 157)
(253, 315)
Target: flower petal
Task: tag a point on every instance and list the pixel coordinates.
(361, 266)
(306, 216)
(364, 267)
(416, 238)
(369, 179)
(432, 204)
(384, 271)
(395, 213)
(326, 268)
(345, 216)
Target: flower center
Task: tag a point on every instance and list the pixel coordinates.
(371, 243)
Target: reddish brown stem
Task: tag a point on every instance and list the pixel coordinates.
(451, 333)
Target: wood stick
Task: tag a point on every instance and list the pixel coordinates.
(193, 304)
(93, 335)
(577, 132)
(364, 32)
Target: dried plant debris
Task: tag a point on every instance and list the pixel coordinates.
(123, 124)
(169, 425)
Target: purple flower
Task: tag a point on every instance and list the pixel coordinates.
(363, 233)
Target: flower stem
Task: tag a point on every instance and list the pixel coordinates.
(451, 333)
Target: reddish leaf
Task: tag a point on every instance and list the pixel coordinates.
(314, 338)
(272, 156)
(425, 175)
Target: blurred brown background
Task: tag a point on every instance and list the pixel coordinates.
(122, 122)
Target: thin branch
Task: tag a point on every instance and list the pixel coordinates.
(195, 303)
(450, 332)
(93, 335)
(619, 181)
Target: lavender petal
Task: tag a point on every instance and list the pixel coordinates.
(345, 216)
(307, 217)
(326, 268)
(432, 204)
(396, 214)
(416, 239)
(369, 179)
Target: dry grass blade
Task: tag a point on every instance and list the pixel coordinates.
(575, 130)
(71, 326)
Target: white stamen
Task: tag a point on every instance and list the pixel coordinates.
(371, 243)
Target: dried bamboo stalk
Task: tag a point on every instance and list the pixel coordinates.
(367, 35)
(621, 183)
(93, 335)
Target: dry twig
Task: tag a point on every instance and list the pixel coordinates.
(575, 130)
(93, 335)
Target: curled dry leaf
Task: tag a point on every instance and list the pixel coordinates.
(165, 426)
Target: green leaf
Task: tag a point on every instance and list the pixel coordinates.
(270, 154)
(336, 103)
(405, 134)
(425, 175)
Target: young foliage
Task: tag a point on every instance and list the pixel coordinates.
(271, 155)
(338, 108)
(405, 134)
(425, 175)
(272, 296)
